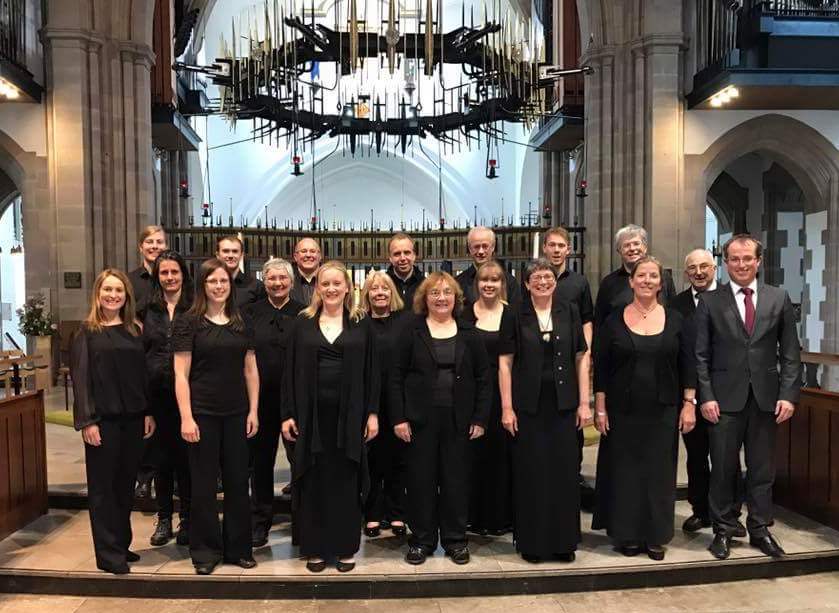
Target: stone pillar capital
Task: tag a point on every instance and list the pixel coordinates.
(140, 54)
(71, 37)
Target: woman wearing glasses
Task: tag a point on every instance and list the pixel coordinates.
(440, 399)
(544, 400)
(217, 387)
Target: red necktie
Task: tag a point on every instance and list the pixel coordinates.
(750, 309)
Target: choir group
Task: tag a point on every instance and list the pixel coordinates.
(431, 406)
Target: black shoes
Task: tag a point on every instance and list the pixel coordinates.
(316, 567)
(739, 531)
(655, 552)
(695, 523)
(399, 530)
(183, 533)
(242, 562)
(344, 567)
(372, 531)
(206, 568)
(259, 537)
(721, 547)
(530, 558)
(630, 549)
(459, 556)
(768, 545)
(568, 556)
(162, 532)
(415, 556)
(132, 557)
(122, 569)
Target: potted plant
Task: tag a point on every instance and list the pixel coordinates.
(36, 324)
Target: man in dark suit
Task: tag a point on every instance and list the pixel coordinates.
(481, 244)
(747, 361)
(402, 271)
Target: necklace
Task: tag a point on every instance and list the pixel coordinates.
(545, 325)
(642, 311)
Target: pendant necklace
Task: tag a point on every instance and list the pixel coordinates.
(643, 312)
(545, 327)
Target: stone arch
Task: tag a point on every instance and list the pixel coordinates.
(809, 158)
(728, 200)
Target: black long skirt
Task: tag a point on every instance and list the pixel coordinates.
(545, 481)
(329, 513)
(638, 489)
(491, 494)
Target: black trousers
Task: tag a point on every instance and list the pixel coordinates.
(111, 472)
(386, 461)
(174, 461)
(755, 431)
(698, 447)
(263, 457)
(149, 460)
(223, 443)
(438, 482)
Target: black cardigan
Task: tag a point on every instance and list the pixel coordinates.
(568, 341)
(360, 387)
(415, 369)
(614, 361)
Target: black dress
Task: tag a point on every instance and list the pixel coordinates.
(643, 378)
(545, 452)
(491, 495)
(386, 452)
(329, 516)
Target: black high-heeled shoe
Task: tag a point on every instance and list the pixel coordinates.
(372, 531)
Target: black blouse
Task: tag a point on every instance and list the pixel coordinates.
(614, 294)
(141, 284)
(272, 329)
(247, 289)
(108, 369)
(524, 339)
(617, 356)
(157, 343)
(217, 373)
(387, 331)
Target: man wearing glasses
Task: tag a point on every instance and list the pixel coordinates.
(747, 362)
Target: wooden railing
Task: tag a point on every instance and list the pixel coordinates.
(807, 457)
(23, 461)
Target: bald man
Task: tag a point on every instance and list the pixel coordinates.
(481, 244)
(307, 257)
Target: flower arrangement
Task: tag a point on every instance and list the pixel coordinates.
(35, 320)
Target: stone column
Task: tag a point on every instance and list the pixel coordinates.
(99, 135)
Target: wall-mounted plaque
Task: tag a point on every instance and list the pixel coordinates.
(72, 280)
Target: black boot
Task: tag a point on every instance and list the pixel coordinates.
(183, 532)
(162, 532)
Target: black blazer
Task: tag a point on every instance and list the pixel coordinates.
(683, 302)
(415, 370)
(359, 387)
(568, 341)
(614, 365)
(729, 361)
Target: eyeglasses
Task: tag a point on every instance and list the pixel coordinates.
(541, 278)
(746, 259)
(436, 293)
(217, 281)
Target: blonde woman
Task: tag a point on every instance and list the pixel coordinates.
(386, 503)
(108, 368)
(329, 407)
(491, 490)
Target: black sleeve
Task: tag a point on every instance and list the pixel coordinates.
(577, 327)
(789, 355)
(288, 406)
(398, 372)
(703, 352)
(687, 353)
(250, 333)
(601, 306)
(373, 368)
(602, 356)
(668, 290)
(514, 296)
(183, 333)
(84, 408)
(483, 382)
(507, 333)
(586, 307)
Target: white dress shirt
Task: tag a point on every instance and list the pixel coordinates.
(695, 294)
(740, 297)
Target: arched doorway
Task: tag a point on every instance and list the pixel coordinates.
(782, 187)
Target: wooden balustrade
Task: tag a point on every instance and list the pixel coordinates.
(23, 461)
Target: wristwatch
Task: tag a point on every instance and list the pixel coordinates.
(690, 400)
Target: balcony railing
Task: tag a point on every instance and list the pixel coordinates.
(13, 31)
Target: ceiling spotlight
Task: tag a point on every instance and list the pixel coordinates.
(733, 92)
(724, 97)
(716, 102)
